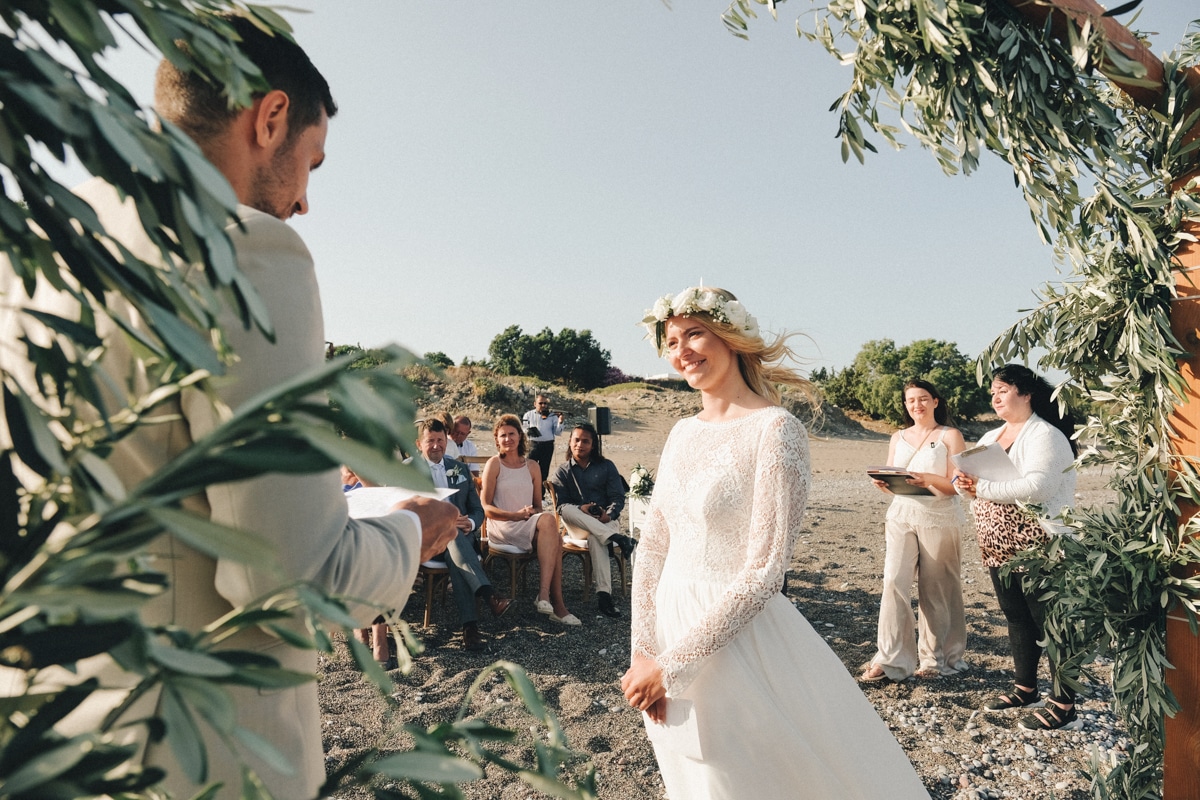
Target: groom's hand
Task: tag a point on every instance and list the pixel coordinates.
(438, 523)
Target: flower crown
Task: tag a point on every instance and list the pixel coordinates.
(697, 300)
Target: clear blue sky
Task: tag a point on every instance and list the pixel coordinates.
(562, 164)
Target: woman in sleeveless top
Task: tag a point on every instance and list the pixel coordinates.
(512, 502)
(924, 538)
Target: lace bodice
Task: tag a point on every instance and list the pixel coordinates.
(726, 508)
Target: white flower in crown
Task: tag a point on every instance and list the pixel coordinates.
(662, 308)
(737, 314)
(697, 300)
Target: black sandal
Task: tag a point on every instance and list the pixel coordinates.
(1014, 699)
(1052, 717)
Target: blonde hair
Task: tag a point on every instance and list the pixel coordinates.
(760, 363)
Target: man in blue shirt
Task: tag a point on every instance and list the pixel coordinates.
(591, 495)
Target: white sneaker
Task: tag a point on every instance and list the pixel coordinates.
(569, 619)
(544, 607)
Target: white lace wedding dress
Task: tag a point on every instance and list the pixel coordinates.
(759, 706)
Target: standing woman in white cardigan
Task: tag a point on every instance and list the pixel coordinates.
(1038, 440)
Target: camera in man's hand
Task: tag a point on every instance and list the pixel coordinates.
(595, 510)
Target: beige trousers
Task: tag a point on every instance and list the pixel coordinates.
(933, 556)
(582, 524)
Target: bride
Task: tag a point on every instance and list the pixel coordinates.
(741, 697)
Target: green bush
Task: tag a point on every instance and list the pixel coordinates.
(874, 383)
(570, 356)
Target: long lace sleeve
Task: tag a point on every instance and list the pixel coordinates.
(651, 554)
(780, 492)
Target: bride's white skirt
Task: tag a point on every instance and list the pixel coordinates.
(771, 716)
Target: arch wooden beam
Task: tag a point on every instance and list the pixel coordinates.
(1181, 761)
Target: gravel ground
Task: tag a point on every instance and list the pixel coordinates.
(834, 580)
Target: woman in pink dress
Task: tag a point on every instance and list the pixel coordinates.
(512, 502)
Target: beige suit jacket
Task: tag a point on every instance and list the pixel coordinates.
(305, 516)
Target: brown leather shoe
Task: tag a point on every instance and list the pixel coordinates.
(472, 640)
(498, 604)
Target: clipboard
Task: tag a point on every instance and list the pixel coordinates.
(897, 480)
(989, 462)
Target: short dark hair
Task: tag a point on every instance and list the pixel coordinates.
(432, 424)
(940, 413)
(198, 105)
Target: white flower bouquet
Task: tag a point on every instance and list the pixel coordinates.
(641, 482)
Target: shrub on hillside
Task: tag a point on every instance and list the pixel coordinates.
(491, 392)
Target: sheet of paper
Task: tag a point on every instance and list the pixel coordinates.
(989, 462)
(375, 501)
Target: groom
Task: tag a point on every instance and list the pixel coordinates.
(467, 577)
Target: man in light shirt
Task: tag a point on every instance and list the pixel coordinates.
(541, 426)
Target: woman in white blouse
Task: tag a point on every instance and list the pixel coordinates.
(1038, 440)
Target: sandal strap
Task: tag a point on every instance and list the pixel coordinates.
(1018, 698)
(1057, 715)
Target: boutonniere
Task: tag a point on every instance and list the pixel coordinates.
(455, 475)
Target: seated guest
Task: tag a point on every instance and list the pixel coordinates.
(459, 434)
(590, 498)
(467, 577)
(512, 501)
(447, 425)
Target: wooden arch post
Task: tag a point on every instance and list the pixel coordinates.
(1181, 762)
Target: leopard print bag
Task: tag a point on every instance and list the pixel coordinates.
(1003, 530)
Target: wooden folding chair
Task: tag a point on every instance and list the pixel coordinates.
(436, 573)
(476, 476)
(569, 543)
(517, 562)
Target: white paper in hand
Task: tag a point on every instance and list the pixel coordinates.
(375, 501)
(989, 462)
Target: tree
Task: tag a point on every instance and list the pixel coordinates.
(874, 383)
(73, 571)
(439, 359)
(571, 356)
